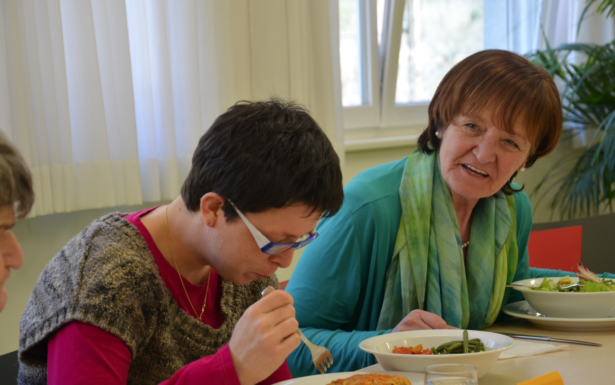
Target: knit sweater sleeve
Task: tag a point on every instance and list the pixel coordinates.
(80, 352)
(100, 278)
(106, 277)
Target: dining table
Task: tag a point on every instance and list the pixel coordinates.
(580, 364)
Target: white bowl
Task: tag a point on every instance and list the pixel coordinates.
(382, 347)
(567, 305)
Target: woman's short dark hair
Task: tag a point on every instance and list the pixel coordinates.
(262, 155)
(15, 180)
(508, 84)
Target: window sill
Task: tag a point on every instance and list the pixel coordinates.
(379, 138)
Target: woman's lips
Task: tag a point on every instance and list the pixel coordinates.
(475, 171)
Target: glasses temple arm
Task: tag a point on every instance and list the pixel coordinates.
(261, 240)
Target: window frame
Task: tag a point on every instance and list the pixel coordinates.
(395, 115)
(380, 113)
(368, 114)
(381, 117)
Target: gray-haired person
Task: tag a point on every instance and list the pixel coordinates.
(16, 198)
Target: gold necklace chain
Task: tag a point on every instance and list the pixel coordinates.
(166, 223)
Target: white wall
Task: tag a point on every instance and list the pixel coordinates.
(42, 237)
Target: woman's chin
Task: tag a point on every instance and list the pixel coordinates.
(474, 188)
(471, 193)
(470, 187)
(241, 279)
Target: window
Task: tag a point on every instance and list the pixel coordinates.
(359, 60)
(432, 44)
(394, 53)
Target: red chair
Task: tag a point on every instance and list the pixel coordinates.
(558, 249)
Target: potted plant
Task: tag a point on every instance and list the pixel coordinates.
(585, 185)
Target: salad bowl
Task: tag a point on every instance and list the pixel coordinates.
(566, 304)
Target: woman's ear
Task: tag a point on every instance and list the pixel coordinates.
(211, 208)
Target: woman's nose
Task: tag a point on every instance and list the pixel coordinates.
(485, 149)
(11, 251)
(285, 258)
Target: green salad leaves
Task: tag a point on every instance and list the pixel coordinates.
(591, 283)
(590, 286)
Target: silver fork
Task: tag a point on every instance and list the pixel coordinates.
(563, 287)
(321, 356)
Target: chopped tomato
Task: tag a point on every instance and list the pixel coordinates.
(402, 350)
(418, 349)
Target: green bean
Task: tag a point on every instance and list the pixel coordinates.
(470, 343)
(453, 347)
(448, 345)
(466, 348)
(445, 345)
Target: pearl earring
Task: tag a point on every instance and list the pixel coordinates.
(522, 169)
(438, 134)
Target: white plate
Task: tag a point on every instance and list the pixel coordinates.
(522, 309)
(382, 348)
(323, 379)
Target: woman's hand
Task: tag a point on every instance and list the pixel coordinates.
(421, 320)
(263, 337)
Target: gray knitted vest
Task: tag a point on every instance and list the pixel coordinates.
(106, 276)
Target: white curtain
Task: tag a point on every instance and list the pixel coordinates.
(106, 99)
(66, 101)
(522, 25)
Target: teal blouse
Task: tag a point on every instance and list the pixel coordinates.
(338, 284)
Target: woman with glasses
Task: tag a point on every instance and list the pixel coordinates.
(172, 294)
(431, 240)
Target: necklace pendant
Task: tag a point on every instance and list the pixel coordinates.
(166, 224)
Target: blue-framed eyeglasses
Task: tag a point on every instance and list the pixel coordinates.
(269, 247)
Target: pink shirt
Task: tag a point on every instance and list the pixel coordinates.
(81, 353)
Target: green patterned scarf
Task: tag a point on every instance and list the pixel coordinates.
(428, 270)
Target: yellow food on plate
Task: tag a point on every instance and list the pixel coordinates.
(372, 379)
(565, 281)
